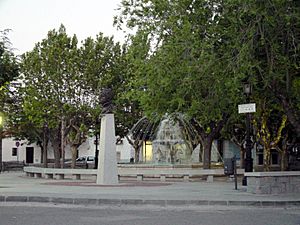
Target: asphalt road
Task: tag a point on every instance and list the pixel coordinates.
(49, 214)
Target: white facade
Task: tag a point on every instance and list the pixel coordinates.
(13, 150)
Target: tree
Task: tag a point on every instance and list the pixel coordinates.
(63, 82)
(9, 70)
(52, 83)
(8, 61)
(269, 125)
(188, 67)
(269, 31)
(217, 45)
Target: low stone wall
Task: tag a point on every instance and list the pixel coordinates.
(130, 171)
(273, 182)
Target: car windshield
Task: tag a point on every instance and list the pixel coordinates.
(80, 159)
(90, 158)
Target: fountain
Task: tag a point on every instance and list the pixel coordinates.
(173, 138)
(169, 144)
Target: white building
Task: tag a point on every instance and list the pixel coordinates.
(13, 150)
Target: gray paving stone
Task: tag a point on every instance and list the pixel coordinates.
(155, 202)
(267, 203)
(62, 200)
(132, 202)
(217, 202)
(251, 203)
(109, 201)
(177, 202)
(85, 201)
(293, 203)
(38, 199)
(155, 193)
(201, 202)
(16, 199)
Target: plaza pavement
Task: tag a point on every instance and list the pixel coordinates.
(17, 187)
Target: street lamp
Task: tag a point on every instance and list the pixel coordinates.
(96, 142)
(248, 159)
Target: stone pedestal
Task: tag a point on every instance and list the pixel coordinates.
(107, 173)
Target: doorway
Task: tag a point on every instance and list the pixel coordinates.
(29, 154)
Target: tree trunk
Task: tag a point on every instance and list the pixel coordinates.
(40, 144)
(283, 161)
(242, 158)
(207, 143)
(74, 156)
(45, 155)
(63, 127)
(42, 154)
(45, 145)
(291, 114)
(267, 158)
(136, 144)
(55, 140)
(56, 149)
(207, 138)
(137, 153)
(201, 152)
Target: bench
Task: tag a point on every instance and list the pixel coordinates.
(13, 165)
(139, 173)
(50, 173)
(273, 182)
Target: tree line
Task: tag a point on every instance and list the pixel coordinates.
(186, 56)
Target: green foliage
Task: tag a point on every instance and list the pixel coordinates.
(8, 61)
(182, 64)
(196, 55)
(63, 82)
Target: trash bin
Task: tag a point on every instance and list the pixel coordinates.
(131, 160)
(228, 166)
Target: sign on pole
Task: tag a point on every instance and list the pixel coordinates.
(247, 108)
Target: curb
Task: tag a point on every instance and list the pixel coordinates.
(140, 202)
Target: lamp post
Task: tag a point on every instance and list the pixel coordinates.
(248, 159)
(96, 142)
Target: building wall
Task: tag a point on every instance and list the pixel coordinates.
(7, 148)
(231, 150)
(86, 149)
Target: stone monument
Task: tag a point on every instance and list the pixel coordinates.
(107, 173)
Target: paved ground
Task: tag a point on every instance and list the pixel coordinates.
(15, 213)
(15, 186)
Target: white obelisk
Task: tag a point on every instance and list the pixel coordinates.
(107, 173)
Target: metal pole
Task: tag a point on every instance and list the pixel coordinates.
(235, 172)
(248, 159)
(96, 152)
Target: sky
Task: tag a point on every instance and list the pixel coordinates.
(30, 20)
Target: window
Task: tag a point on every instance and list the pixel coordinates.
(14, 151)
(274, 157)
(260, 155)
(90, 158)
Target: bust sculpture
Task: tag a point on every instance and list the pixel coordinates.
(106, 97)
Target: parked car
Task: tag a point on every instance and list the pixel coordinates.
(83, 161)
(86, 159)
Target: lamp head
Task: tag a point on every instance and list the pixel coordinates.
(247, 88)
